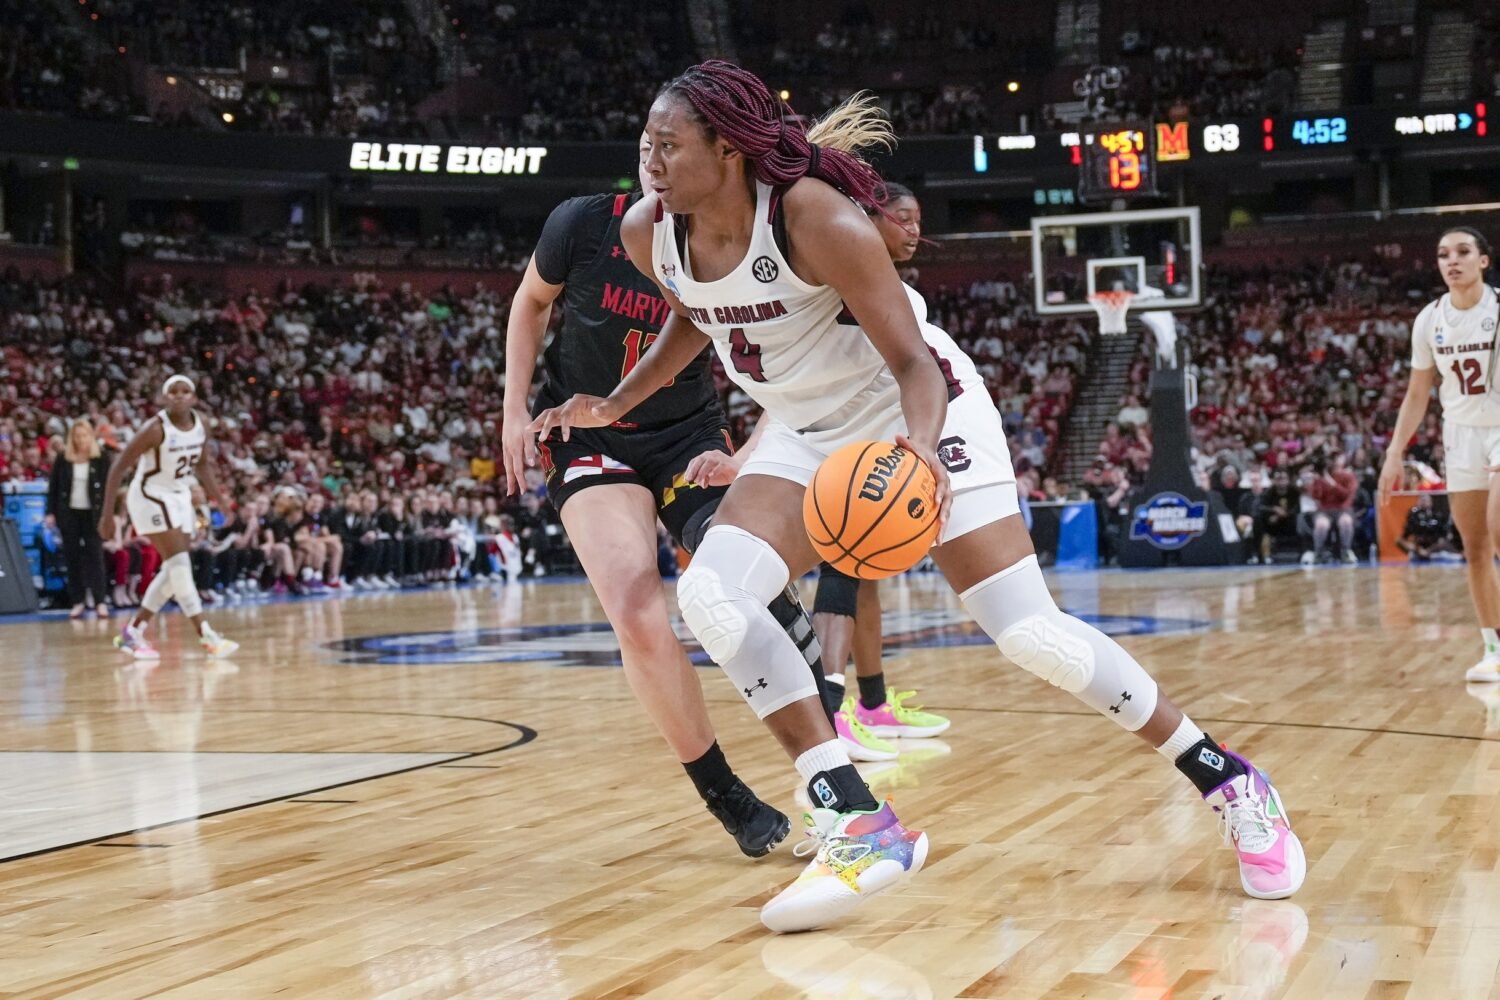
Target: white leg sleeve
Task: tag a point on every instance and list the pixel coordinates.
(1015, 609)
(180, 569)
(723, 597)
(160, 591)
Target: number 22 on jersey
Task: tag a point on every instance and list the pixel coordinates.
(636, 344)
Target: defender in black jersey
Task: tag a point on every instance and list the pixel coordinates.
(612, 314)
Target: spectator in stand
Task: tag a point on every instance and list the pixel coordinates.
(1276, 515)
(1332, 488)
(75, 499)
(1238, 500)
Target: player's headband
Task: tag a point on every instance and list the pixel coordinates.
(167, 385)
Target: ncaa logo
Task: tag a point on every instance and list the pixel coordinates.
(764, 269)
(824, 792)
(1438, 337)
(1213, 760)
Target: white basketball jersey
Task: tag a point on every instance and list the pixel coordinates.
(793, 347)
(779, 338)
(170, 466)
(1460, 343)
(956, 365)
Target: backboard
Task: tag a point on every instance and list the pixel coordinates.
(1153, 252)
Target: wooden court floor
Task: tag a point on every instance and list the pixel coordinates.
(451, 793)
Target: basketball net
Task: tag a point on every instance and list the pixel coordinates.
(1111, 307)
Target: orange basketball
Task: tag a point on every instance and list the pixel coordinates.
(869, 510)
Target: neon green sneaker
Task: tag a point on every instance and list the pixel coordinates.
(895, 719)
(858, 741)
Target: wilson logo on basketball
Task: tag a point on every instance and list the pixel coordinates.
(878, 479)
(916, 509)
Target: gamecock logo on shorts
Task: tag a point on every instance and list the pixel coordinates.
(953, 452)
(764, 269)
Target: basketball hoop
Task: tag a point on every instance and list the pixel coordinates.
(1111, 307)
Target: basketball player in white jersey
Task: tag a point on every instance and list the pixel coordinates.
(169, 455)
(1453, 343)
(753, 237)
(846, 611)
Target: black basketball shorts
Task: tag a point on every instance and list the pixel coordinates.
(653, 458)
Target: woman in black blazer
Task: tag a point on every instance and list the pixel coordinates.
(75, 499)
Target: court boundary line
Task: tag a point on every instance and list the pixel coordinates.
(525, 735)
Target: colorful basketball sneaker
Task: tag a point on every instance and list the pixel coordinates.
(858, 741)
(858, 854)
(755, 826)
(132, 639)
(215, 644)
(896, 719)
(1486, 671)
(1254, 822)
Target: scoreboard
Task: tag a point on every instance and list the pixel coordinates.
(1118, 163)
(1124, 160)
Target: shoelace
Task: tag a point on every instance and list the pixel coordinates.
(851, 718)
(833, 849)
(1247, 810)
(898, 706)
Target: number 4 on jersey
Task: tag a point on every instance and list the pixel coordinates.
(745, 355)
(636, 344)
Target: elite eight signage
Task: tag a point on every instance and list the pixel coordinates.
(431, 158)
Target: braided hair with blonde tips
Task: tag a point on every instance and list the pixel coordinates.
(735, 105)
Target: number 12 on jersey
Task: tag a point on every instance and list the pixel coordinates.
(1470, 376)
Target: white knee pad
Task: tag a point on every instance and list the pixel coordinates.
(159, 592)
(179, 569)
(1015, 608)
(717, 623)
(723, 596)
(1044, 646)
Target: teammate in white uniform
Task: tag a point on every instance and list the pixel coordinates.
(169, 455)
(721, 140)
(1453, 342)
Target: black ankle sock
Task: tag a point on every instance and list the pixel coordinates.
(711, 772)
(1207, 766)
(841, 789)
(872, 691)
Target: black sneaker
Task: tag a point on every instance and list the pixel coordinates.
(755, 826)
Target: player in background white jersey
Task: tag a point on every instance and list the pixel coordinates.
(169, 455)
(770, 292)
(1453, 343)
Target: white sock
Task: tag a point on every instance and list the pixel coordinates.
(1491, 641)
(1180, 741)
(823, 757)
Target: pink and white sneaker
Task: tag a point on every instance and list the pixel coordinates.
(1254, 822)
(132, 639)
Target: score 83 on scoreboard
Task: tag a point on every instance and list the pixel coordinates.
(1119, 163)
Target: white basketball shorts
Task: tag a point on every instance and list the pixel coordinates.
(1467, 450)
(152, 511)
(972, 448)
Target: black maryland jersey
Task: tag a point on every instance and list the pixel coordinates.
(612, 314)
